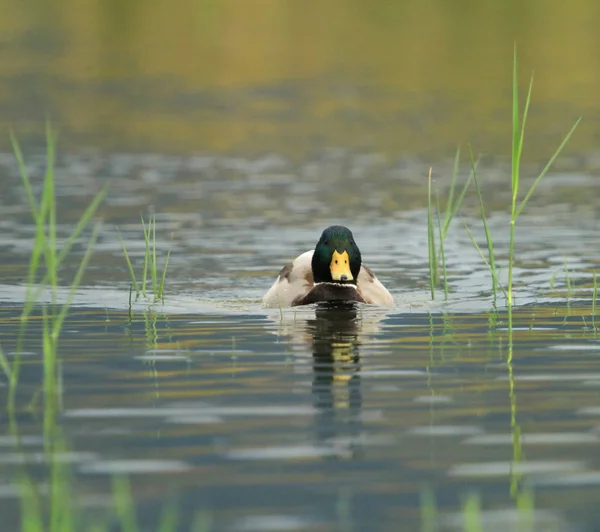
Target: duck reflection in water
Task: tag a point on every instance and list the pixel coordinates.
(336, 333)
(336, 383)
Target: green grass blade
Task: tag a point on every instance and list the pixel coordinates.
(49, 355)
(154, 271)
(449, 203)
(460, 199)
(515, 129)
(547, 167)
(38, 217)
(146, 256)
(82, 223)
(39, 239)
(524, 118)
(4, 364)
(488, 235)
(442, 254)
(49, 361)
(431, 241)
(50, 198)
(494, 274)
(76, 282)
(568, 281)
(129, 266)
(164, 276)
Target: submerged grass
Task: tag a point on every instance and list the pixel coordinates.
(51, 507)
(471, 515)
(150, 263)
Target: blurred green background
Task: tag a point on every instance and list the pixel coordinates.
(236, 76)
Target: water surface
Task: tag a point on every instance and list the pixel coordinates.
(247, 130)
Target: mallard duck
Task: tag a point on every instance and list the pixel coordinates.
(332, 272)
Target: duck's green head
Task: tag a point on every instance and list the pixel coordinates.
(336, 258)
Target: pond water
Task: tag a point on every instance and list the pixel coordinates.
(247, 130)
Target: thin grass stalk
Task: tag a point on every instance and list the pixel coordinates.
(130, 310)
(58, 322)
(154, 271)
(39, 240)
(515, 190)
(453, 206)
(449, 203)
(130, 267)
(431, 240)
(50, 381)
(82, 224)
(50, 195)
(49, 354)
(164, 277)
(36, 254)
(547, 167)
(553, 279)
(458, 203)
(5, 365)
(492, 271)
(146, 256)
(488, 235)
(442, 254)
(518, 135)
(515, 130)
(568, 282)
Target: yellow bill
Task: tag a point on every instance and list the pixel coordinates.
(340, 267)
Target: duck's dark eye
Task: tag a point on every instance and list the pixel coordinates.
(336, 261)
(325, 242)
